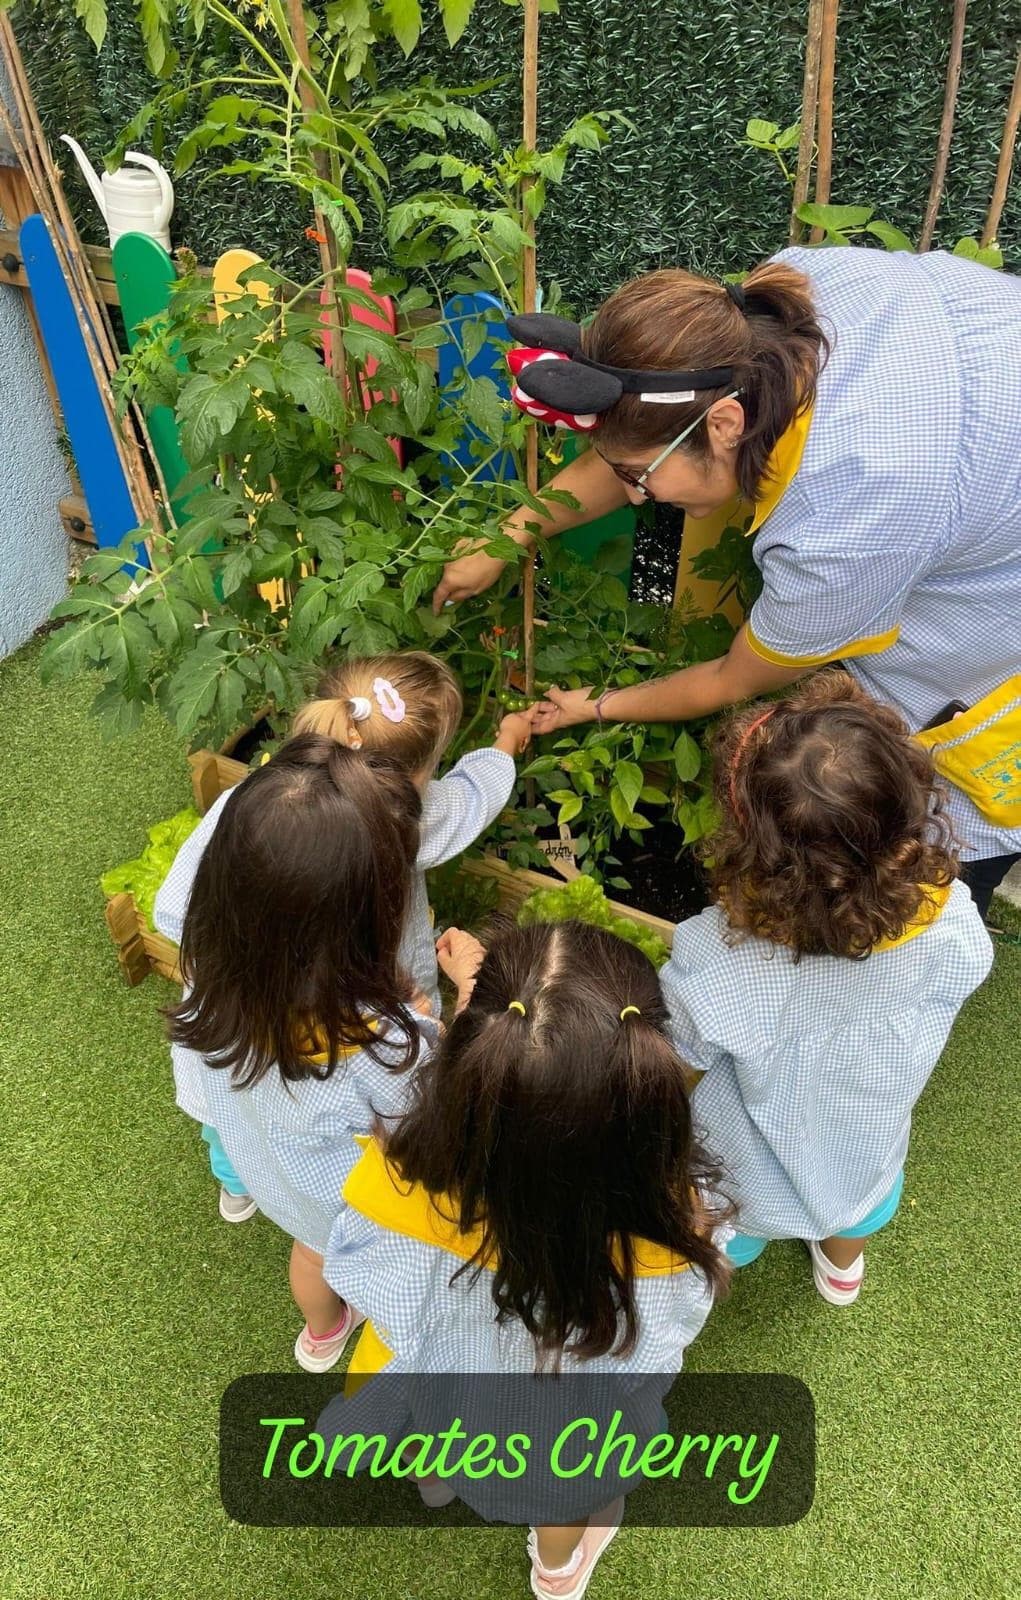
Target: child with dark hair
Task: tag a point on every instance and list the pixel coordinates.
(297, 1014)
(403, 709)
(818, 993)
(543, 1206)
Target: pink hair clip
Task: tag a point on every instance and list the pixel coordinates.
(388, 700)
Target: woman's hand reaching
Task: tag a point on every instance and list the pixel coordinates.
(563, 708)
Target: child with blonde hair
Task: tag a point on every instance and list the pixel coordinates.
(818, 993)
(406, 709)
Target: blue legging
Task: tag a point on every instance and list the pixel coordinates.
(745, 1248)
(220, 1162)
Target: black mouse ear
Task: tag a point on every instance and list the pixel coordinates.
(570, 387)
(539, 331)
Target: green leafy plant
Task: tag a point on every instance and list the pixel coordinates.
(143, 877)
(583, 900)
(358, 25)
(849, 224)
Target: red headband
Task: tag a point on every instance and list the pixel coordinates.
(739, 749)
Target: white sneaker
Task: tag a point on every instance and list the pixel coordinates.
(236, 1207)
(570, 1582)
(838, 1285)
(435, 1493)
(319, 1355)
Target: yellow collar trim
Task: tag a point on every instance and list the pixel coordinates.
(933, 902)
(376, 1190)
(321, 1057)
(781, 467)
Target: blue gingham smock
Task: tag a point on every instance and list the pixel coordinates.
(812, 1069)
(293, 1144)
(432, 1325)
(897, 546)
(397, 1266)
(455, 810)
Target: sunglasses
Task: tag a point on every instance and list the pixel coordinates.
(641, 483)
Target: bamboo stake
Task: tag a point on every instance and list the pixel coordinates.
(530, 97)
(324, 236)
(1003, 166)
(827, 73)
(946, 127)
(809, 103)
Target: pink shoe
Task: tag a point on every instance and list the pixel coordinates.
(319, 1355)
(570, 1582)
(838, 1285)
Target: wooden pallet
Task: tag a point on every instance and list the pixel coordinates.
(141, 950)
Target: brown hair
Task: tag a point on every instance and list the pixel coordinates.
(432, 700)
(671, 319)
(292, 931)
(831, 821)
(564, 1133)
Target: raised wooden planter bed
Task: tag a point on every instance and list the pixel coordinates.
(141, 950)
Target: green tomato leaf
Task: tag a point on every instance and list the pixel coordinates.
(455, 14)
(890, 237)
(834, 218)
(687, 757)
(628, 780)
(359, 582)
(192, 689)
(761, 132)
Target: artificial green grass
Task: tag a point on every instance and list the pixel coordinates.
(129, 1306)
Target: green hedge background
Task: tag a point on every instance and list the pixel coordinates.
(683, 188)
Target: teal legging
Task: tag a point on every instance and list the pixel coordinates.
(745, 1248)
(220, 1162)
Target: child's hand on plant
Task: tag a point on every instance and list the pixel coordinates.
(460, 956)
(516, 731)
(563, 708)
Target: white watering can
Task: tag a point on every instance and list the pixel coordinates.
(132, 200)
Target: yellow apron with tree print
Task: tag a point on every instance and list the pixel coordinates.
(979, 752)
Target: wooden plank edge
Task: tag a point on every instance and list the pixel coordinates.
(74, 514)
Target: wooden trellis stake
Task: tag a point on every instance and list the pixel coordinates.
(827, 74)
(809, 104)
(946, 127)
(530, 95)
(33, 153)
(324, 237)
(1003, 166)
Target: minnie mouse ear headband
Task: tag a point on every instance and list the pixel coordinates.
(556, 383)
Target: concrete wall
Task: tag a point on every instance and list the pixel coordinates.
(33, 477)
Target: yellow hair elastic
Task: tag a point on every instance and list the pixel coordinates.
(516, 1005)
(630, 1011)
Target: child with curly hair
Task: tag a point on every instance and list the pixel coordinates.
(817, 994)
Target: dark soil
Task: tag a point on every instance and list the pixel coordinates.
(249, 741)
(666, 878)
